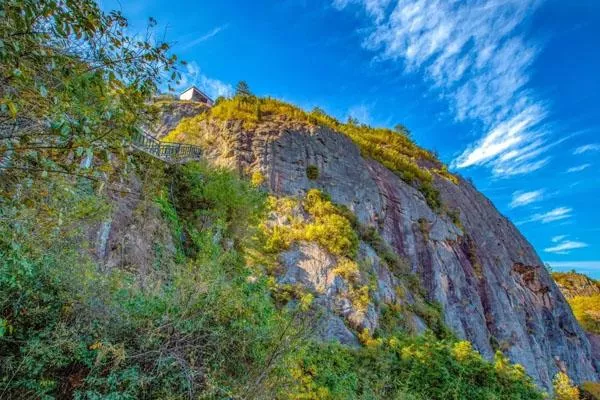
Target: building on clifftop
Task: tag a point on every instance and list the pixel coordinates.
(195, 94)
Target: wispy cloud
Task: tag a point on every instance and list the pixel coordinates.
(578, 168)
(565, 247)
(212, 87)
(586, 148)
(475, 54)
(203, 38)
(556, 214)
(520, 198)
(558, 238)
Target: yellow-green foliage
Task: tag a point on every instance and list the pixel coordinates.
(257, 178)
(590, 390)
(587, 312)
(329, 226)
(347, 269)
(563, 388)
(422, 368)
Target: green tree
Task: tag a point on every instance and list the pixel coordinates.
(402, 129)
(74, 86)
(243, 90)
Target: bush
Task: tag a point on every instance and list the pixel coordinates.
(418, 368)
(563, 388)
(312, 172)
(329, 227)
(587, 311)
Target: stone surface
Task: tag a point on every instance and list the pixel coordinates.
(171, 113)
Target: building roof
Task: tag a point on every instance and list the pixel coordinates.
(194, 88)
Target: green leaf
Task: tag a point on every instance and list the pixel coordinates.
(12, 108)
(3, 327)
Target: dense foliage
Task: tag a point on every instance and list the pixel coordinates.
(205, 322)
(74, 86)
(200, 325)
(587, 312)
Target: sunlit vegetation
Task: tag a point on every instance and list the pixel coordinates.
(415, 368)
(394, 149)
(587, 312)
(576, 284)
(582, 294)
(329, 226)
(564, 389)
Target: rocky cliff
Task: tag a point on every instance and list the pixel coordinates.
(572, 284)
(491, 285)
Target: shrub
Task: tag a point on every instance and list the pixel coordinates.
(590, 391)
(312, 172)
(563, 388)
(329, 228)
(404, 368)
(587, 311)
(257, 178)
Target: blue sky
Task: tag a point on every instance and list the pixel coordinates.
(506, 91)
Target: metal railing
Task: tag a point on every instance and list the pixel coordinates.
(169, 152)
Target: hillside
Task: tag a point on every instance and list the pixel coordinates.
(300, 258)
(573, 284)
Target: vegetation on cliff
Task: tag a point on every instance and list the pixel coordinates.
(393, 148)
(583, 295)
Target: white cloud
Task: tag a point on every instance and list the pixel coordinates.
(586, 148)
(361, 113)
(556, 214)
(523, 198)
(565, 247)
(558, 238)
(474, 53)
(212, 87)
(208, 35)
(578, 168)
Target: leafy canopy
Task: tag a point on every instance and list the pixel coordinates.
(73, 83)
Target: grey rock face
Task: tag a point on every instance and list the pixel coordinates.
(491, 284)
(172, 113)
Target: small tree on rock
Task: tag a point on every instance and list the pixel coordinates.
(243, 90)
